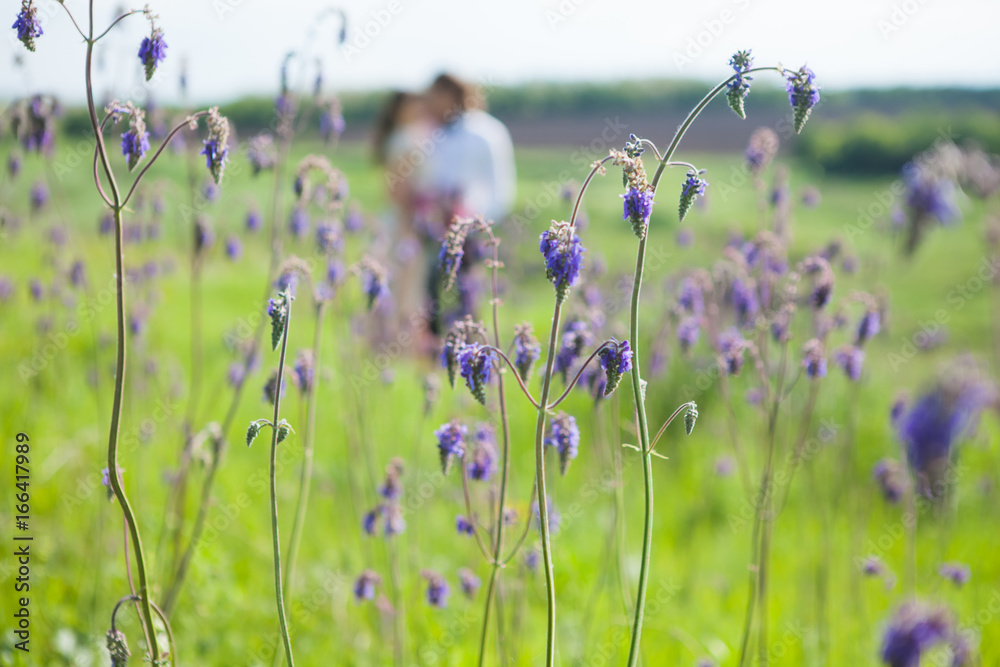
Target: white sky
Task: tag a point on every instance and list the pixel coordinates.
(234, 47)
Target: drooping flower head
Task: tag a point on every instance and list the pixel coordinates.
(527, 350)
(277, 310)
(693, 187)
(453, 249)
(464, 526)
(461, 332)
(482, 463)
(261, 153)
(563, 254)
(637, 209)
(234, 248)
(688, 331)
(392, 486)
(803, 94)
(745, 302)
(690, 296)
(739, 87)
(153, 48)
(891, 480)
(761, 149)
(822, 278)
(27, 24)
(935, 422)
(616, 360)
(437, 589)
(869, 326)
(451, 443)
(216, 147)
(373, 281)
(302, 370)
(576, 337)
(469, 581)
(957, 573)
(271, 389)
(851, 358)
(564, 435)
(331, 122)
(135, 141)
(476, 363)
(39, 196)
(814, 360)
(364, 586)
(915, 628)
(117, 645)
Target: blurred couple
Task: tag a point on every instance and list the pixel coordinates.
(444, 156)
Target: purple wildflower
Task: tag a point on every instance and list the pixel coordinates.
(354, 220)
(868, 326)
(369, 523)
(35, 289)
(915, 628)
(957, 573)
(27, 25)
(744, 297)
(39, 196)
(469, 581)
(452, 251)
(574, 339)
(563, 254)
(373, 281)
(891, 480)
(739, 87)
(464, 526)
(437, 590)
(204, 237)
(364, 587)
(482, 463)
(451, 443)
(303, 370)
(689, 296)
(616, 360)
(152, 50)
(298, 222)
(216, 147)
(637, 209)
(851, 358)
(234, 248)
(135, 141)
(688, 331)
(564, 435)
(475, 364)
(814, 361)
(253, 220)
(693, 187)
(527, 350)
(803, 94)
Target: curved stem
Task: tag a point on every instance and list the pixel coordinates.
(583, 188)
(142, 172)
(517, 376)
(305, 478)
(524, 535)
(119, 395)
(663, 428)
(542, 496)
(276, 542)
(77, 25)
(569, 387)
(468, 510)
(646, 452)
(491, 590)
(172, 651)
(114, 23)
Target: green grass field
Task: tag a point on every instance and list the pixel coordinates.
(822, 610)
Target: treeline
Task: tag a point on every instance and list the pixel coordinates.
(857, 131)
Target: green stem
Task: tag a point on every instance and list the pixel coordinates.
(116, 410)
(640, 402)
(276, 542)
(543, 511)
(491, 589)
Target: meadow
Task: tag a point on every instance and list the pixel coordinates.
(373, 406)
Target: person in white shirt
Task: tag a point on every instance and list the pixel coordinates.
(472, 162)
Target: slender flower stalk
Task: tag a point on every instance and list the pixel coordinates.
(637, 382)
(276, 437)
